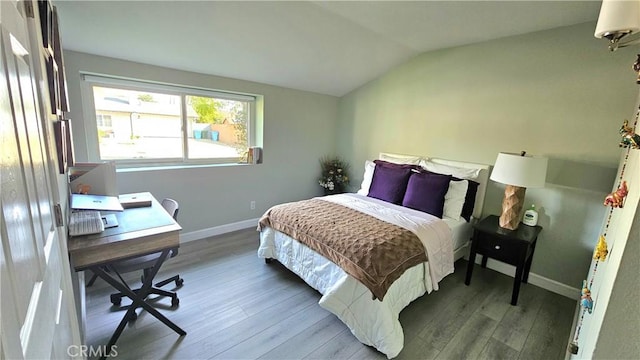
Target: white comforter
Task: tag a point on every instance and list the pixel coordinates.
(373, 322)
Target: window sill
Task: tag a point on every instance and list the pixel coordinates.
(177, 167)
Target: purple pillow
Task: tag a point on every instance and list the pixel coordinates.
(425, 192)
(389, 183)
(469, 200)
(396, 166)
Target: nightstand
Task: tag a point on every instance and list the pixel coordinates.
(514, 247)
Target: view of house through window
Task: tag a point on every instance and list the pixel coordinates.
(151, 125)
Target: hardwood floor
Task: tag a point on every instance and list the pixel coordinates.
(234, 306)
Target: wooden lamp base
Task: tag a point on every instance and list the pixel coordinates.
(512, 206)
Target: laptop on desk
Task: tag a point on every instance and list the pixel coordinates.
(95, 202)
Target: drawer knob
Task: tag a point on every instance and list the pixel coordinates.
(497, 247)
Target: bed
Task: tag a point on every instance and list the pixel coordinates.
(370, 311)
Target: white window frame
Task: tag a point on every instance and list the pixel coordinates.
(88, 81)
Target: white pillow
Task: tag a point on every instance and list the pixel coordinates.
(401, 159)
(454, 199)
(369, 167)
(462, 173)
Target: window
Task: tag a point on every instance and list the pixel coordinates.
(104, 121)
(142, 123)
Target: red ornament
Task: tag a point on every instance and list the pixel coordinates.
(616, 198)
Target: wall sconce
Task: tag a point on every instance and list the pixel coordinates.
(618, 20)
(518, 172)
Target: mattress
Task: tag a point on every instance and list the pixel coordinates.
(461, 232)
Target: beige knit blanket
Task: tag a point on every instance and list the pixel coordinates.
(373, 251)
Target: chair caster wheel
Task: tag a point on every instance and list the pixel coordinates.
(133, 317)
(116, 300)
(175, 302)
(179, 282)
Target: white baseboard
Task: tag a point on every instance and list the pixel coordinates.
(534, 279)
(218, 230)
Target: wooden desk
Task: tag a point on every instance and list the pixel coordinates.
(140, 231)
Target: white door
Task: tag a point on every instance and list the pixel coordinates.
(36, 300)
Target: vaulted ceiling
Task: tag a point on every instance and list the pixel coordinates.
(325, 47)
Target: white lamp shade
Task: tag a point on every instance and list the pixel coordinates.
(522, 171)
(618, 15)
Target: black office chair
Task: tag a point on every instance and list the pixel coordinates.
(145, 263)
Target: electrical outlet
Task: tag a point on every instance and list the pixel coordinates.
(252, 205)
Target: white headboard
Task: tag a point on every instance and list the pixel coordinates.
(482, 179)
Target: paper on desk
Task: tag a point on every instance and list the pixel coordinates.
(95, 202)
(94, 179)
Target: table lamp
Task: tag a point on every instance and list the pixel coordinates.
(518, 172)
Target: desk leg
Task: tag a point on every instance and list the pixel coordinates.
(79, 293)
(138, 299)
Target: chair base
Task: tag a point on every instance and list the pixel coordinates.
(179, 281)
(92, 280)
(116, 299)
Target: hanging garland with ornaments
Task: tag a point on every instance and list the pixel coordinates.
(631, 141)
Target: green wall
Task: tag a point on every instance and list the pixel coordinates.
(558, 93)
(299, 127)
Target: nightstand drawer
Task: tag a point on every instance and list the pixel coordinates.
(505, 250)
